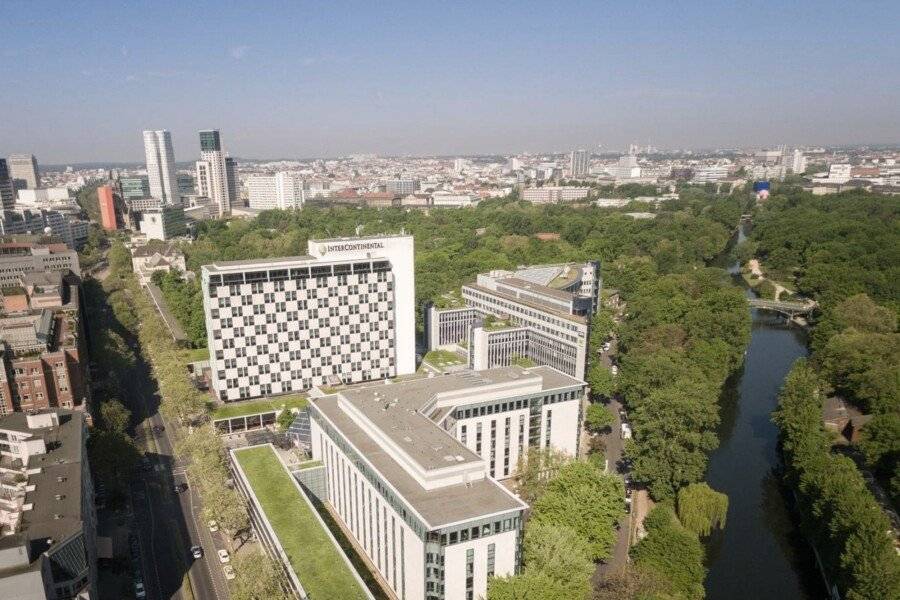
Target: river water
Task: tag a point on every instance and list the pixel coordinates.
(759, 554)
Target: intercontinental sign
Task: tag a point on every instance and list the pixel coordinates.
(352, 246)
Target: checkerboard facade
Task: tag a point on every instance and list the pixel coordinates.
(288, 327)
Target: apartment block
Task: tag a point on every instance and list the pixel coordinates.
(541, 313)
(554, 194)
(343, 313)
(412, 467)
(42, 347)
(48, 546)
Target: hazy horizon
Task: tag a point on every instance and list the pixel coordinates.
(83, 81)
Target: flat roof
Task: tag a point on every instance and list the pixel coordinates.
(352, 238)
(396, 411)
(541, 307)
(530, 286)
(260, 262)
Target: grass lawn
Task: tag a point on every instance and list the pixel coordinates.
(442, 358)
(317, 562)
(195, 354)
(253, 407)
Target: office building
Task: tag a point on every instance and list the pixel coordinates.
(185, 185)
(215, 177)
(29, 254)
(579, 163)
(234, 184)
(7, 189)
(48, 544)
(64, 225)
(161, 166)
(401, 186)
(550, 194)
(109, 219)
(282, 190)
(541, 313)
(460, 165)
(42, 346)
(163, 223)
(412, 467)
(513, 164)
(451, 200)
(134, 187)
(343, 313)
(710, 173)
(628, 167)
(23, 170)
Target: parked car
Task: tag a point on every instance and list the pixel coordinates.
(180, 487)
(626, 431)
(139, 591)
(213, 526)
(196, 551)
(229, 572)
(614, 370)
(224, 557)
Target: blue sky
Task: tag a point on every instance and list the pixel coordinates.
(302, 79)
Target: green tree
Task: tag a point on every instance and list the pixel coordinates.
(530, 585)
(673, 553)
(535, 470)
(257, 578)
(880, 442)
(562, 553)
(598, 417)
(285, 418)
(115, 416)
(588, 501)
(701, 509)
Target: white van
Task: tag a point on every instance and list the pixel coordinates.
(626, 431)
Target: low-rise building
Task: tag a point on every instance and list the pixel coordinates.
(48, 546)
(554, 194)
(163, 223)
(147, 260)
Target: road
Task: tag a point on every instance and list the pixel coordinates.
(614, 451)
(167, 524)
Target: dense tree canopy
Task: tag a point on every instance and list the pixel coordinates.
(672, 552)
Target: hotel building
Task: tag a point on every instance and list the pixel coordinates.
(344, 313)
(541, 313)
(412, 467)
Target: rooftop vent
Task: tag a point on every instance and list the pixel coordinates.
(59, 496)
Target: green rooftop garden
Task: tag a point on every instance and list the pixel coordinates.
(449, 300)
(443, 358)
(322, 570)
(254, 407)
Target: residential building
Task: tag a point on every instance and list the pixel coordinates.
(163, 223)
(282, 190)
(147, 260)
(840, 173)
(412, 468)
(23, 170)
(109, 218)
(342, 313)
(460, 165)
(579, 163)
(7, 188)
(66, 226)
(213, 179)
(42, 344)
(29, 254)
(550, 194)
(161, 166)
(48, 543)
(709, 173)
(513, 164)
(541, 313)
(449, 199)
(134, 187)
(798, 162)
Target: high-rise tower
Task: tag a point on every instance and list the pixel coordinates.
(215, 177)
(161, 166)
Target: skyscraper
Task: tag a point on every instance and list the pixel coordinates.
(216, 178)
(161, 166)
(7, 191)
(579, 165)
(23, 169)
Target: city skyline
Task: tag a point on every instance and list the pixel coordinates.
(446, 81)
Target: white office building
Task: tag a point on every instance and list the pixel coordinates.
(579, 163)
(555, 194)
(628, 167)
(452, 200)
(213, 179)
(282, 190)
(161, 166)
(412, 468)
(798, 162)
(710, 173)
(541, 313)
(345, 313)
(23, 170)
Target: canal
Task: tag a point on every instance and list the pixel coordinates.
(760, 553)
